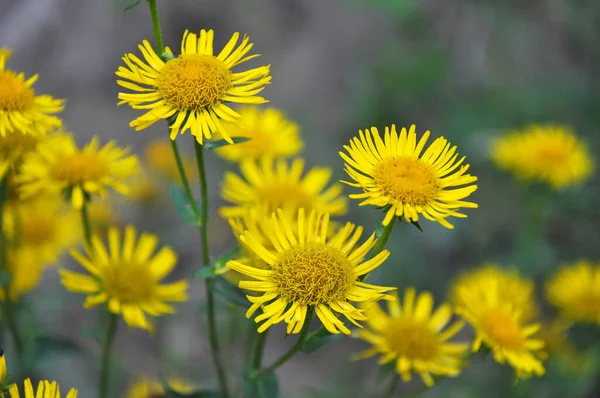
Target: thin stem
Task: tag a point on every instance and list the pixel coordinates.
(385, 235)
(111, 331)
(259, 350)
(184, 180)
(210, 296)
(160, 46)
(295, 348)
(392, 388)
(85, 222)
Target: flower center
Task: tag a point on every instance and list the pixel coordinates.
(588, 304)
(407, 180)
(37, 230)
(80, 167)
(411, 338)
(503, 330)
(15, 95)
(285, 195)
(552, 155)
(130, 283)
(313, 274)
(16, 142)
(193, 81)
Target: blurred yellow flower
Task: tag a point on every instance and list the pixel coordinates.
(25, 269)
(45, 389)
(194, 87)
(271, 184)
(102, 215)
(414, 336)
(20, 109)
(270, 132)
(143, 189)
(58, 166)
(13, 145)
(575, 291)
(308, 272)
(397, 173)
(551, 154)
(500, 323)
(160, 157)
(3, 371)
(146, 388)
(127, 278)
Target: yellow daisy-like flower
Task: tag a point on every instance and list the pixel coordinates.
(102, 215)
(160, 157)
(45, 389)
(272, 184)
(3, 371)
(127, 278)
(551, 154)
(501, 325)
(13, 145)
(575, 291)
(194, 87)
(58, 166)
(144, 189)
(309, 271)
(414, 336)
(20, 108)
(270, 133)
(25, 269)
(397, 173)
(146, 388)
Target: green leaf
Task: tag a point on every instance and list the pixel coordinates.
(183, 206)
(47, 343)
(133, 5)
(261, 386)
(230, 293)
(318, 339)
(217, 268)
(5, 278)
(219, 143)
(195, 394)
(416, 224)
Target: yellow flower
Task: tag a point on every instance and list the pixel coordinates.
(194, 87)
(2, 367)
(20, 108)
(45, 389)
(414, 337)
(144, 189)
(25, 269)
(270, 132)
(397, 173)
(551, 154)
(13, 145)
(500, 323)
(102, 215)
(309, 272)
(513, 289)
(159, 156)
(271, 184)
(145, 388)
(127, 278)
(58, 166)
(575, 291)
(44, 226)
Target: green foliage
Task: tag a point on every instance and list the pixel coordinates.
(183, 206)
(218, 266)
(261, 386)
(231, 294)
(318, 339)
(132, 5)
(219, 143)
(195, 394)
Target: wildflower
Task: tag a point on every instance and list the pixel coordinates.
(551, 154)
(396, 173)
(194, 87)
(160, 157)
(102, 215)
(309, 272)
(414, 337)
(144, 189)
(270, 133)
(127, 278)
(25, 269)
(145, 388)
(45, 389)
(575, 291)
(20, 109)
(58, 166)
(13, 145)
(500, 323)
(2, 367)
(271, 184)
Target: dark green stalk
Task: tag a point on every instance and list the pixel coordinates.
(184, 180)
(160, 46)
(111, 331)
(392, 387)
(259, 350)
(85, 222)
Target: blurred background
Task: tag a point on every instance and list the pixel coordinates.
(468, 70)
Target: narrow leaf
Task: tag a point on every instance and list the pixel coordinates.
(195, 394)
(133, 5)
(416, 224)
(230, 293)
(183, 206)
(262, 386)
(314, 344)
(219, 143)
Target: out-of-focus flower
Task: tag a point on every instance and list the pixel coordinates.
(13, 145)
(146, 388)
(159, 157)
(25, 269)
(45, 389)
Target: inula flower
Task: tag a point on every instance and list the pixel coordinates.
(550, 154)
(270, 133)
(193, 88)
(13, 145)
(500, 323)
(25, 269)
(414, 336)
(128, 277)
(271, 184)
(159, 157)
(398, 173)
(575, 291)
(309, 272)
(59, 166)
(145, 388)
(20, 109)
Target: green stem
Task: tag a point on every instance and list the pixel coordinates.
(160, 46)
(385, 235)
(184, 180)
(259, 350)
(210, 296)
(294, 349)
(113, 322)
(392, 388)
(85, 222)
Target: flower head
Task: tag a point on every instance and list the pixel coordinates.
(414, 336)
(25, 269)
(128, 277)
(270, 133)
(146, 388)
(160, 158)
(20, 109)
(501, 322)
(308, 271)
(58, 166)
(45, 389)
(13, 145)
(399, 173)
(271, 184)
(551, 154)
(194, 87)
(3, 371)
(575, 291)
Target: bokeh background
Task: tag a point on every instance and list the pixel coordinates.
(468, 70)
